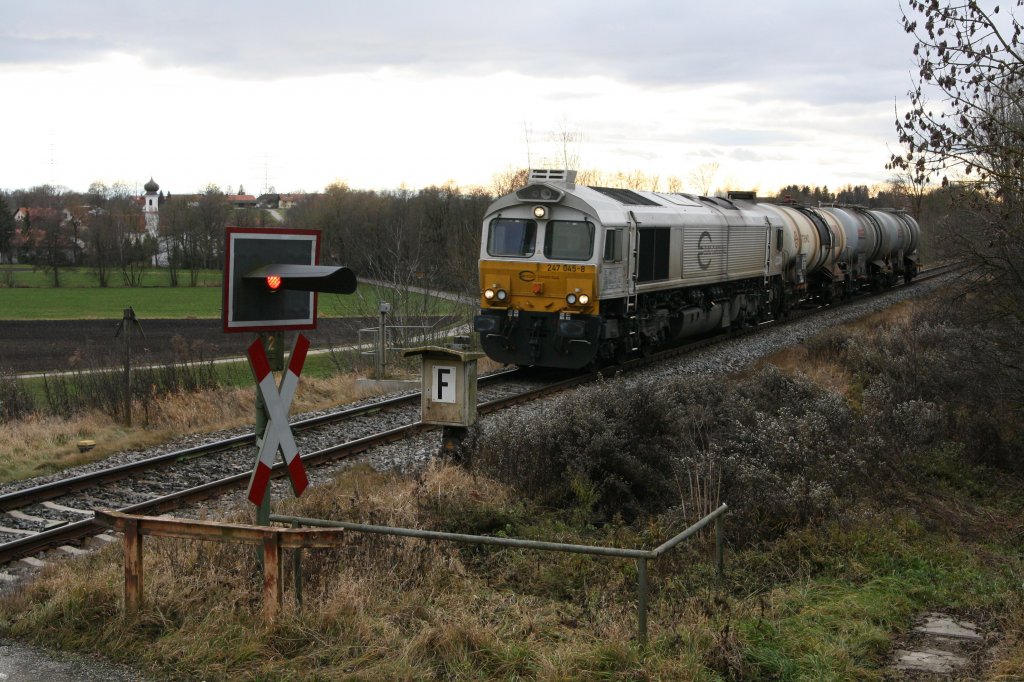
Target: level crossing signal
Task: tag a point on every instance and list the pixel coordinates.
(272, 277)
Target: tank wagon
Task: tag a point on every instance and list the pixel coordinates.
(573, 275)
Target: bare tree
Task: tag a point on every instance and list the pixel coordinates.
(214, 213)
(703, 177)
(103, 244)
(568, 141)
(50, 231)
(970, 60)
(965, 121)
(908, 189)
(509, 181)
(7, 226)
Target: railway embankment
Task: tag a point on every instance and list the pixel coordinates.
(871, 465)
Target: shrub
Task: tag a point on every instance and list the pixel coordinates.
(779, 450)
(584, 449)
(101, 388)
(15, 401)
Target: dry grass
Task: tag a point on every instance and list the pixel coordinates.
(815, 358)
(398, 608)
(378, 608)
(39, 445)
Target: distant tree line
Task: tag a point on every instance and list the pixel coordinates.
(104, 229)
(428, 238)
(407, 238)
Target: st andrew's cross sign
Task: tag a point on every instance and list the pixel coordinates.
(278, 434)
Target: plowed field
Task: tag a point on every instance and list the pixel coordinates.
(60, 345)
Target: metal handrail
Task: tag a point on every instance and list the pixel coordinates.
(642, 556)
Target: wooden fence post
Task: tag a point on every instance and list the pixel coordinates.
(272, 584)
(132, 566)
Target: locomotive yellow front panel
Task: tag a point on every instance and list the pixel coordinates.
(539, 287)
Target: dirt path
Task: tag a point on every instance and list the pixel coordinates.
(60, 345)
(24, 663)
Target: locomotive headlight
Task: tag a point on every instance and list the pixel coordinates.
(584, 299)
(489, 294)
(502, 294)
(571, 299)
(540, 212)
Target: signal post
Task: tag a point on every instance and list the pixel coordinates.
(271, 281)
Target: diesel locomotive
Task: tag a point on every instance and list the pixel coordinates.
(572, 276)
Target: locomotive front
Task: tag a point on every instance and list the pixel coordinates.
(539, 272)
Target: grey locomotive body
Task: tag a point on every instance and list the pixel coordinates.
(571, 275)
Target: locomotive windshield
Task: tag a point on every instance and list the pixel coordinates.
(512, 237)
(569, 240)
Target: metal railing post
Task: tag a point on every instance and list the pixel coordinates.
(720, 545)
(641, 601)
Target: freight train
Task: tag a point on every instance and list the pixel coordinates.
(574, 276)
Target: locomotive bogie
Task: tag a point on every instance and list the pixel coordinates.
(573, 275)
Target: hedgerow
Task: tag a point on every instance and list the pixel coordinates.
(780, 449)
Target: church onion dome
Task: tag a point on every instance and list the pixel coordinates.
(151, 186)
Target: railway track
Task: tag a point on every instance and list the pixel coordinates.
(60, 513)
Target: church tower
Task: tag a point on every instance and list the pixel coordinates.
(151, 208)
(151, 211)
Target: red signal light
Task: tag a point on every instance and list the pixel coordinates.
(273, 282)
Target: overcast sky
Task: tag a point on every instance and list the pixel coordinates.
(297, 95)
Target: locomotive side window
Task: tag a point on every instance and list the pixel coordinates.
(569, 240)
(652, 260)
(613, 246)
(512, 237)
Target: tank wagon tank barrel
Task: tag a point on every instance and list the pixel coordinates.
(572, 275)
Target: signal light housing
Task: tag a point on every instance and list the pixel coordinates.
(329, 279)
(272, 276)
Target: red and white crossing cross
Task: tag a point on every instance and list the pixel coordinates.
(278, 434)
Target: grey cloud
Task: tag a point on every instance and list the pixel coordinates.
(745, 155)
(780, 45)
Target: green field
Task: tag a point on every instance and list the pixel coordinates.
(79, 297)
(18, 276)
(80, 303)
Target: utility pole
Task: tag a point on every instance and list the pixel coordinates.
(125, 325)
(382, 339)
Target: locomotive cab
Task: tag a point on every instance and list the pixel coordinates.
(539, 280)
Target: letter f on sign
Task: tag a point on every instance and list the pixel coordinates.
(444, 384)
